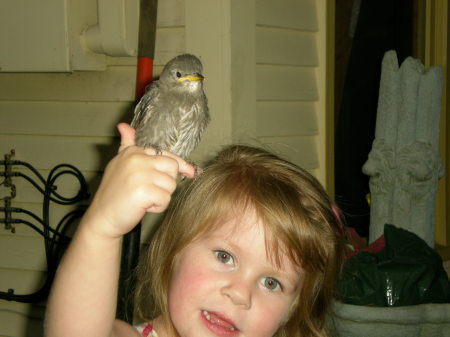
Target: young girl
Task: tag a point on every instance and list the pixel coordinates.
(250, 248)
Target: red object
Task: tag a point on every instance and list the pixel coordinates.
(376, 246)
(357, 244)
(147, 330)
(144, 75)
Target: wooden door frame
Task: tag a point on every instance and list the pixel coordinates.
(436, 45)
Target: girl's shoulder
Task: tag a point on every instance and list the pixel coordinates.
(146, 330)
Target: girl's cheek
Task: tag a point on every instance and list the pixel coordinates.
(277, 309)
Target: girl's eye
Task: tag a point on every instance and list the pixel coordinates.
(178, 74)
(224, 257)
(271, 284)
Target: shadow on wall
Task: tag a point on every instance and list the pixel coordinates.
(34, 326)
(104, 152)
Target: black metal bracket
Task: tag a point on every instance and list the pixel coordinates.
(7, 184)
(54, 236)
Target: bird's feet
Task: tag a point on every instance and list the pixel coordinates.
(197, 169)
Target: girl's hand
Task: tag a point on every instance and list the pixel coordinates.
(135, 181)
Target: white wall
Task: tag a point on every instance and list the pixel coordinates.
(287, 93)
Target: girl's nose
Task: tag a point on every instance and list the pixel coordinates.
(239, 293)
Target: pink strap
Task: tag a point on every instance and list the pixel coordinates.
(147, 330)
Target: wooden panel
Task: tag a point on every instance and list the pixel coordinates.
(34, 310)
(115, 84)
(295, 14)
(286, 119)
(121, 61)
(21, 320)
(169, 43)
(14, 324)
(171, 13)
(325, 85)
(285, 83)
(281, 46)
(299, 150)
(22, 281)
(96, 119)
(45, 152)
(24, 253)
(43, 24)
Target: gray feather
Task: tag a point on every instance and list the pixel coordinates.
(173, 113)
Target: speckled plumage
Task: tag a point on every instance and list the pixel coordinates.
(173, 113)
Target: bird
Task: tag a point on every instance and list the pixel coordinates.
(173, 112)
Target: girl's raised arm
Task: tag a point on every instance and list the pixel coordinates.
(84, 293)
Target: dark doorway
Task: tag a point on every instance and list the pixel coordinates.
(365, 30)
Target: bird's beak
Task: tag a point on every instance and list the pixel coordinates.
(194, 78)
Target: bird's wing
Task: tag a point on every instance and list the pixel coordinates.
(145, 108)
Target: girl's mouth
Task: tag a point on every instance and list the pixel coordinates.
(219, 325)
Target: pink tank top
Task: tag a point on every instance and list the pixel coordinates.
(146, 330)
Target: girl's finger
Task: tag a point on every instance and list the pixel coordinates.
(160, 202)
(126, 135)
(184, 168)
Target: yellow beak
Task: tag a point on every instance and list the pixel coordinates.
(191, 78)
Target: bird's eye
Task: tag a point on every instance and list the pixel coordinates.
(178, 74)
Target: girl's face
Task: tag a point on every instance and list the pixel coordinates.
(225, 285)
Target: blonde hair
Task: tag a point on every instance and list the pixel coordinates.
(291, 204)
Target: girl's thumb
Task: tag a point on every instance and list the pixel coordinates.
(126, 135)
